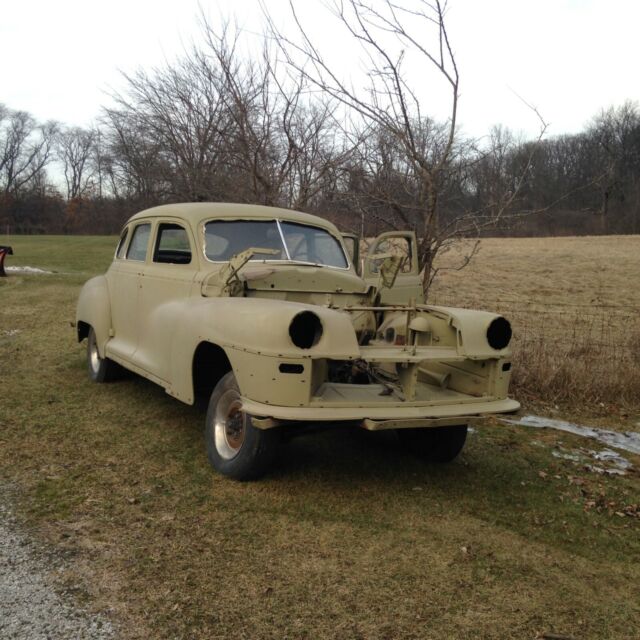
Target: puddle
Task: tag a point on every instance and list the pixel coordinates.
(33, 270)
(627, 441)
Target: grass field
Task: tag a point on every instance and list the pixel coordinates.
(349, 537)
(574, 304)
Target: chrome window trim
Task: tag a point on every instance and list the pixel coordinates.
(284, 242)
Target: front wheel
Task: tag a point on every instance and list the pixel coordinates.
(435, 444)
(100, 369)
(235, 447)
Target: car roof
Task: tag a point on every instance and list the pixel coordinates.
(195, 212)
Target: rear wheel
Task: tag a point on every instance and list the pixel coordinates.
(435, 444)
(100, 369)
(235, 447)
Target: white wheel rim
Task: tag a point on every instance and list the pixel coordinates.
(94, 356)
(230, 425)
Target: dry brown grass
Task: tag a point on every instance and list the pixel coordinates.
(348, 538)
(575, 307)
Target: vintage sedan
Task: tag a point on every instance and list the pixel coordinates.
(266, 313)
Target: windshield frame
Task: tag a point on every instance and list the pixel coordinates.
(289, 261)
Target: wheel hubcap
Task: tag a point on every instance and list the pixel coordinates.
(94, 357)
(230, 427)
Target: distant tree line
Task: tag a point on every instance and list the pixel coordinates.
(219, 125)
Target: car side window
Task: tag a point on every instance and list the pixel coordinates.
(350, 244)
(122, 244)
(139, 241)
(172, 245)
(396, 246)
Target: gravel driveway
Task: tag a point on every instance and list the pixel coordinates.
(30, 607)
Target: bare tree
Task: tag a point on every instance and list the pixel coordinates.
(220, 125)
(132, 163)
(76, 150)
(25, 149)
(414, 160)
(100, 162)
(617, 134)
(178, 113)
(285, 145)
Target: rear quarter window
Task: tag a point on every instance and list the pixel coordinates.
(139, 241)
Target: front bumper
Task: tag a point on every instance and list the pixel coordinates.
(378, 412)
(411, 386)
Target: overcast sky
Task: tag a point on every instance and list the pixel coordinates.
(569, 58)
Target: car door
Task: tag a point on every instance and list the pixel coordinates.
(123, 279)
(408, 283)
(166, 279)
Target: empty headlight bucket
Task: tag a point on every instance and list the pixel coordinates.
(305, 330)
(499, 333)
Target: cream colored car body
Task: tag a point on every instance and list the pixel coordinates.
(401, 363)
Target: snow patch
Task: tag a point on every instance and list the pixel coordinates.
(25, 269)
(611, 462)
(574, 457)
(612, 458)
(627, 441)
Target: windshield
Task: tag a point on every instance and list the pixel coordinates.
(311, 245)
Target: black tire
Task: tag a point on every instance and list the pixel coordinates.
(100, 369)
(434, 444)
(235, 447)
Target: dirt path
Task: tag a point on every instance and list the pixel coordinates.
(30, 607)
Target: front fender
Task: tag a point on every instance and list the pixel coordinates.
(254, 333)
(472, 326)
(94, 309)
